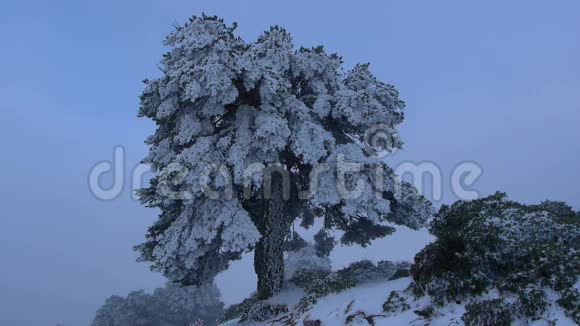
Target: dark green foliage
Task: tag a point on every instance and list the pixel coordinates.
(563, 211)
(532, 303)
(363, 231)
(488, 313)
(294, 242)
(395, 303)
(425, 313)
(324, 243)
(494, 243)
(570, 300)
(318, 284)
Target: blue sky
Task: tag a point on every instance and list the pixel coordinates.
(497, 83)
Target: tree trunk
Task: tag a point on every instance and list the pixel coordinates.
(269, 251)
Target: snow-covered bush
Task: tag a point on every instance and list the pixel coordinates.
(395, 303)
(317, 284)
(169, 306)
(366, 271)
(489, 312)
(494, 243)
(532, 302)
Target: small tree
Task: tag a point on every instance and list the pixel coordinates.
(251, 136)
(169, 306)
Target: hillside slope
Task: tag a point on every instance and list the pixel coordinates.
(363, 305)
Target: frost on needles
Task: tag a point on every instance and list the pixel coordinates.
(241, 128)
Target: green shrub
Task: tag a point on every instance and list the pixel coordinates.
(488, 313)
(318, 284)
(532, 303)
(321, 283)
(494, 243)
(395, 303)
(570, 300)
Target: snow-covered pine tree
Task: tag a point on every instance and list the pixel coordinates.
(244, 132)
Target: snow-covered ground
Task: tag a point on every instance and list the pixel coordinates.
(239, 281)
(367, 300)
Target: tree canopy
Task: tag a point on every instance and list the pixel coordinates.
(250, 137)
